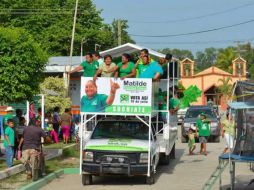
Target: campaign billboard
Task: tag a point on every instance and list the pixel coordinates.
(130, 96)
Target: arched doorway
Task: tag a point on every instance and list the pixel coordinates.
(212, 94)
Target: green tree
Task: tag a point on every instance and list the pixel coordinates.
(251, 71)
(225, 58)
(207, 58)
(54, 89)
(22, 63)
(178, 53)
(51, 21)
(247, 52)
(125, 38)
(225, 88)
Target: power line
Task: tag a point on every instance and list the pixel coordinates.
(198, 42)
(192, 33)
(193, 18)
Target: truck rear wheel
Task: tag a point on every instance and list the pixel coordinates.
(172, 154)
(217, 139)
(183, 139)
(164, 159)
(86, 179)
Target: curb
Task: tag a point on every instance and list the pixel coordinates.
(47, 179)
(44, 181)
(11, 171)
(20, 168)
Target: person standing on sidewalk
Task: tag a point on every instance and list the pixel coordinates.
(228, 131)
(66, 125)
(9, 142)
(203, 126)
(56, 120)
(31, 143)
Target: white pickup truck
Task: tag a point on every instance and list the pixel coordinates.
(121, 146)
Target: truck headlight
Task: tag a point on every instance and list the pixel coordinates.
(214, 124)
(143, 158)
(88, 156)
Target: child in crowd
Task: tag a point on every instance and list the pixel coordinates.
(191, 143)
(9, 142)
(50, 129)
(19, 134)
(20, 128)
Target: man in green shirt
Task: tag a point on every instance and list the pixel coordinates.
(89, 66)
(203, 126)
(9, 115)
(9, 142)
(94, 102)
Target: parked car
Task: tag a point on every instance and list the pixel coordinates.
(191, 117)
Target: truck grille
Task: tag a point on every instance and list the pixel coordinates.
(111, 157)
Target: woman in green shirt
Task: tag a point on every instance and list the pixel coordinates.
(126, 68)
(94, 102)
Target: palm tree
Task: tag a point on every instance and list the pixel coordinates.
(225, 88)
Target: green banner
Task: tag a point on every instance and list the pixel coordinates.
(128, 109)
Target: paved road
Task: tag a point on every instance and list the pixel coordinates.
(184, 173)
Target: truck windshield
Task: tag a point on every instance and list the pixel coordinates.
(194, 113)
(120, 129)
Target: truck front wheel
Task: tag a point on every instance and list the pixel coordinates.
(150, 180)
(86, 179)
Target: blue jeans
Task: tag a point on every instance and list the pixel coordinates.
(9, 156)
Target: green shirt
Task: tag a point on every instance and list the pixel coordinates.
(105, 70)
(10, 133)
(5, 119)
(125, 71)
(89, 69)
(203, 128)
(95, 104)
(228, 127)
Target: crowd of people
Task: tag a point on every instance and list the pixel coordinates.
(144, 67)
(22, 139)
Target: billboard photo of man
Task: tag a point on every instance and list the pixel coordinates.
(94, 102)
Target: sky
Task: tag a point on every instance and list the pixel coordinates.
(174, 17)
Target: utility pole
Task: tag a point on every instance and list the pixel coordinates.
(119, 32)
(71, 50)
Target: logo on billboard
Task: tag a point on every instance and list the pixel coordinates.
(124, 98)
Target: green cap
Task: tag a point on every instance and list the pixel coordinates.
(203, 114)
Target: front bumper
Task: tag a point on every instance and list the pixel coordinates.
(114, 168)
(214, 131)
